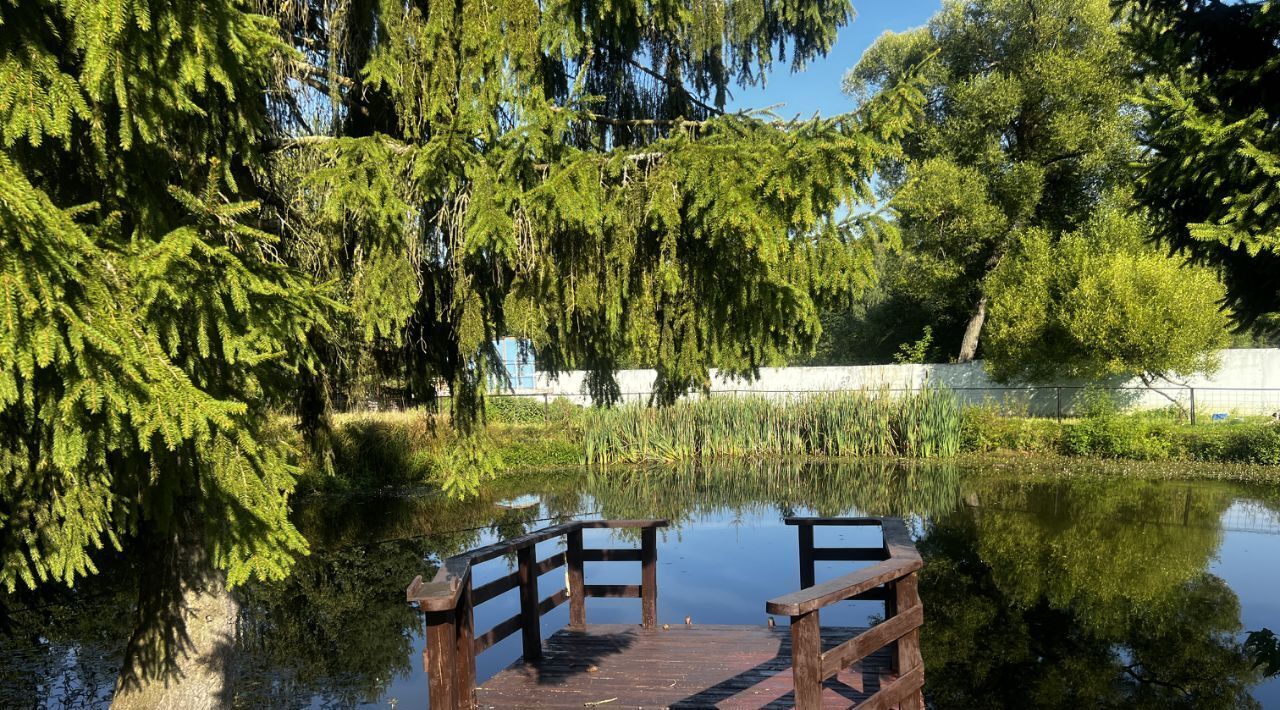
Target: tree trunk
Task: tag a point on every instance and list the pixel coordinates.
(181, 651)
(969, 344)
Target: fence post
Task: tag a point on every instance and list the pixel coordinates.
(546, 408)
(649, 577)
(464, 652)
(440, 660)
(530, 629)
(806, 556)
(1059, 392)
(1193, 406)
(577, 586)
(806, 660)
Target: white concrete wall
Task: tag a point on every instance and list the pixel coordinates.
(1247, 382)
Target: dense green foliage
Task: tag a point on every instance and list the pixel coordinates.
(1011, 191)
(920, 424)
(1211, 129)
(1104, 432)
(1024, 121)
(147, 325)
(1098, 303)
(565, 173)
(202, 205)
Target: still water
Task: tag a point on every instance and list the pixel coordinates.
(1061, 591)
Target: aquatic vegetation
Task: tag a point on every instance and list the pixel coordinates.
(837, 424)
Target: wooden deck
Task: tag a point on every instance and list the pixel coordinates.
(805, 666)
(696, 666)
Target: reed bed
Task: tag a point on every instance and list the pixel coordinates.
(921, 424)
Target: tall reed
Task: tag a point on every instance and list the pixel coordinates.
(921, 424)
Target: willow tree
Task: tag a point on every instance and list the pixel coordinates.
(147, 324)
(1024, 127)
(565, 172)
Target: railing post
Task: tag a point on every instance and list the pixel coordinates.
(577, 582)
(530, 628)
(806, 555)
(649, 576)
(806, 660)
(439, 660)
(906, 656)
(465, 648)
(1193, 406)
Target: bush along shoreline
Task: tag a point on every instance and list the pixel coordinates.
(390, 449)
(1104, 432)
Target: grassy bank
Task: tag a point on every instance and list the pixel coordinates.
(1141, 437)
(396, 449)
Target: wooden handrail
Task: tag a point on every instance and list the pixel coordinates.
(448, 600)
(893, 578)
(841, 588)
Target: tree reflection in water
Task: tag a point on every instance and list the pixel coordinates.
(1081, 594)
(1076, 592)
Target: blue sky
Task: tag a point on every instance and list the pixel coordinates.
(817, 88)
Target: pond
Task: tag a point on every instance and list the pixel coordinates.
(1039, 591)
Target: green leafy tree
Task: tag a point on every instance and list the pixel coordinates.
(1211, 133)
(565, 173)
(1025, 121)
(1100, 302)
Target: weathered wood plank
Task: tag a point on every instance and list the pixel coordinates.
(877, 637)
(899, 690)
(697, 666)
(530, 619)
(622, 554)
(500, 630)
(649, 577)
(613, 591)
(489, 590)
(801, 520)
(552, 562)
(820, 595)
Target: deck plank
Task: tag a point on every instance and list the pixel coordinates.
(699, 666)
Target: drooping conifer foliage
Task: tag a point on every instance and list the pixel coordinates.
(1211, 174)
(147, 323)
(563, 171)
(182, 192)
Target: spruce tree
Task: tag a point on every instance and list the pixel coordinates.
(566, 172)
(1211, 130)
(148, 323)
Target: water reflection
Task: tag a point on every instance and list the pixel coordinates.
(1045, 593)
(1082, 594)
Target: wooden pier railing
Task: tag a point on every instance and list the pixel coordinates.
(448, 602)
(892, 579)
(449, 599)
